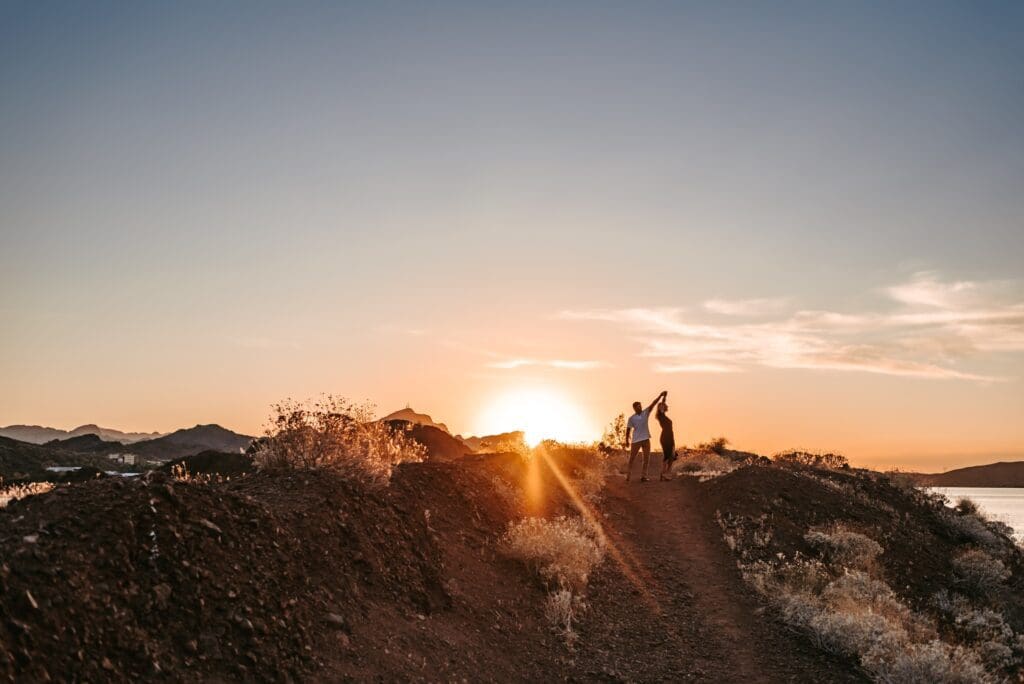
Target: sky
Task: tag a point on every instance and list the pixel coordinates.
(804, 221)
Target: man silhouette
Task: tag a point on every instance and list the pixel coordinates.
(637, 428)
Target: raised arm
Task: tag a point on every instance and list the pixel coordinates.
(656, 400)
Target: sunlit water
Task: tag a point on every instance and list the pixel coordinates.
(1005, 504)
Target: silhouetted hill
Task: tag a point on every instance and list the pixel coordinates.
(1002, 474)
(212, 463)
(86, 444)
(21, 459)
(410, 416)
(190, 441)
(37, 434)
(440, 445)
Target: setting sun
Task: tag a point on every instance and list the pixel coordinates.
(540, 413)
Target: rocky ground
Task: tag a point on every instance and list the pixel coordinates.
(302, 576)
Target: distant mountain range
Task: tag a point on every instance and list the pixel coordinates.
(19, 459)
(37, 434)
(1002, 474)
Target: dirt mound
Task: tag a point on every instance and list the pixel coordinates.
(212, 463)
(270, 576)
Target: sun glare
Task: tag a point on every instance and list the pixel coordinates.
(539, 412)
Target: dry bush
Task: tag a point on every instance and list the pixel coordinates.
(706, 464)
(20, 491)
(966, 506)
(718, 445)
(978, 572)
(808, 459)
(972, 528)
(935, 662)
(845, 547)
(562, 608)
(564, 549)
(987, 631)
(850, 612)
(335, 434)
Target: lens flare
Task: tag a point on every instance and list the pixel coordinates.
(541, 413)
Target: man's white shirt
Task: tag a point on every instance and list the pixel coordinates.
(638, 421)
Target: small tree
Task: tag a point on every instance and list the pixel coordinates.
(615, 434)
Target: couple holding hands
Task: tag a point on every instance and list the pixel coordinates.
(638, 436)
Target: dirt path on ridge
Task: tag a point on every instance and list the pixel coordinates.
(674, 607)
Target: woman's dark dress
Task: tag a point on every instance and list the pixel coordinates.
(668, 440)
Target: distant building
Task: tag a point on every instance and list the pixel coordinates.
(126, 459)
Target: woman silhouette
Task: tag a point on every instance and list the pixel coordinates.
(668, 440)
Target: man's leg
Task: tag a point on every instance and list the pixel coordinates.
(646, 446)
(634, 448)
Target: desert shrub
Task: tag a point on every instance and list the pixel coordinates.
(808, 459)
(934, 662)
(965, 506)
(564, 549)
(335, 434)
(20, 491)
(978, 572)
(972, 528)
(745, 534)
(845, 547)
(852, 613)
(718, 445)
(562, 609)
(706, 464)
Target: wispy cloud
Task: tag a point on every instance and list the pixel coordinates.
(565, 364)
(928, 329)
(747, 307)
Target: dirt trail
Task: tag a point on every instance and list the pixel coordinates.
(686, 613)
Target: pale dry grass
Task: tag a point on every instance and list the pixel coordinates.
(20, 491)
(845, 547)
(181, 474)
(978, 572)
(563, 551)
(845, 607)
(705, 464)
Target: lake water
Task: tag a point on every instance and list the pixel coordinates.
(1005, 504)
